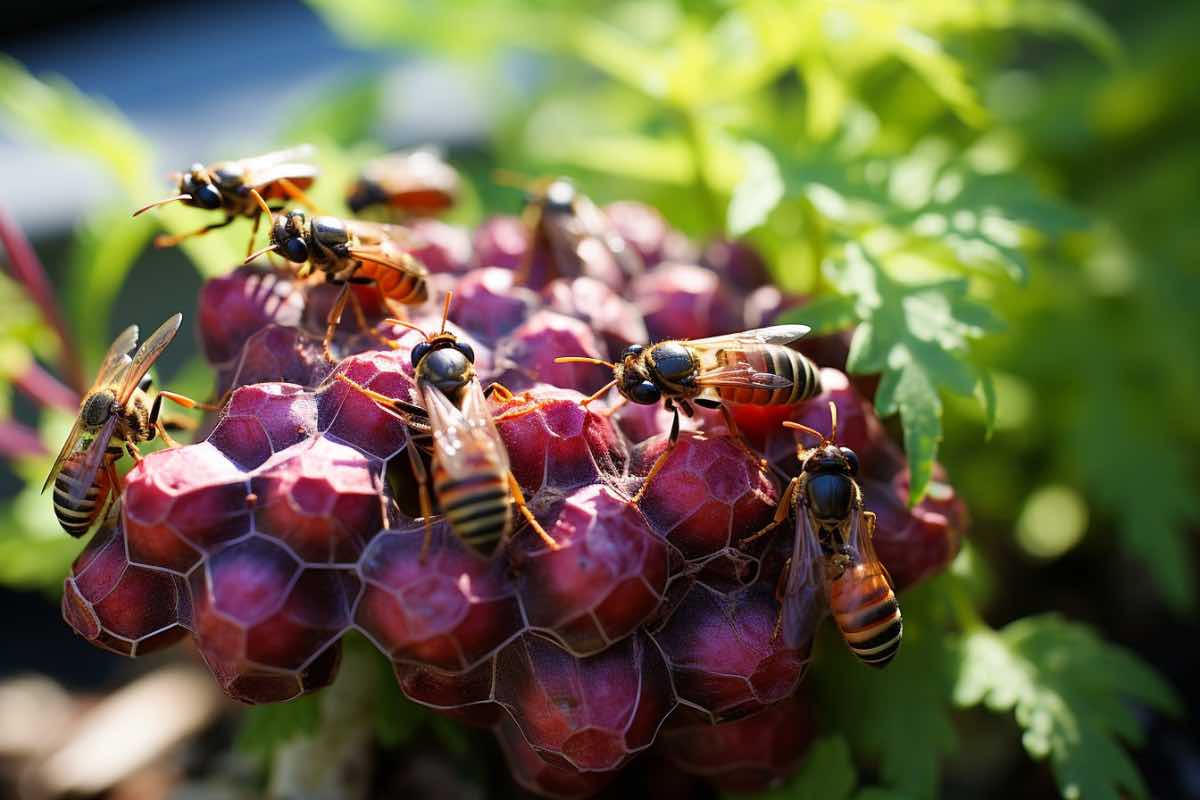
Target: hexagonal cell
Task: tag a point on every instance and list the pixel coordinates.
(722, 653)
(182, 502)
(357, 420)
(488, 303)
(265, 625)
(127, 609)
(542, 778)
(234, 307)
(616, 320)
(526, 356)
(261, 420)
(282, 354)
(607, 578)
(322, 499)
(451, 611)
(683, 301)
(745, 755)
(709, 494)
(463, 696)
(552, 441)
(589, 713)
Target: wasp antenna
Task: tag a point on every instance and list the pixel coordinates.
(833, 422)
(797, 426)
(584, 360)
(446, 309)
(261, 203)
(269, 248)
(406, 324)
(162, 202)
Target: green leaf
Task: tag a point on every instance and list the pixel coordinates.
(916, 335)
(266, 728)
(826, 773)
(898, 717)
(757, 193)
(1072, 694)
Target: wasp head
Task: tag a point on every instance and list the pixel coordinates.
(288, 236)
(197, 183)
(445, 362)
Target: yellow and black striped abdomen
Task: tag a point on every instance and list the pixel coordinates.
(77, 516)
(475, 507)
(403, 286)
(866, 612)
(777, 360)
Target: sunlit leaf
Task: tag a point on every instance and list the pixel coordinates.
(758, 192)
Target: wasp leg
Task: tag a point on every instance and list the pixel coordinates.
(422, 477)
(661, 461)
(615, 407)
(331, 322)
(297, 194)
(736, 433)
(409, 413)
(603, 390)
(781, 513)
(519, 501)
(134, 453)
(502, 392)
(164, 240)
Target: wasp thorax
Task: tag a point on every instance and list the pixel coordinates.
(559, 197)
(229, 176)
(672, 361)
(97, 409)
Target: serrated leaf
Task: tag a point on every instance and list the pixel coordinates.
(757, 193)
(826, 772)
(1071, 694)
(898, 717)
(268, 727)
(916, 335)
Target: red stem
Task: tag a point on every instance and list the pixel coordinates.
(27, 269)
(45, 389)
(19, 441)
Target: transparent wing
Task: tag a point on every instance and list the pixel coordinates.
(804, 592)
(267, 175)
(596, 223)
(146, 355)
(93, 459)
(776, 334)
(116, 360)
(742, 375)
(300, 155)
(389, 255)
(465, 441)
(860, 540)
(67, 449)
(370, 233)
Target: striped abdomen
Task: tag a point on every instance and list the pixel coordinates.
(866, 612)
(77, 516)
(476, 506)
(407, 287)
(777, 360)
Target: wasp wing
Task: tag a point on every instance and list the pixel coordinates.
(861, 541)
(298, 155)
(267, 175)
(742, 375)
(145, 357)
(776, 334)
(597, 224)
(465, 440)
(804, 591)
(67, 449)
(92, 460)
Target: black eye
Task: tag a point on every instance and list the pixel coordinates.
(645, 393)
(207, 196)
(295, 250)
(466, 350)
(419, 352)
(851, 459)
(633, 351)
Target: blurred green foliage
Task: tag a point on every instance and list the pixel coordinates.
(1000, 196)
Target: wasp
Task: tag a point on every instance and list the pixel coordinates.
(231, 186)
(413, 183)
(114, 417)
(571, 229)
(348, 252)
(833, 554)
(472, 479)
(754, 367)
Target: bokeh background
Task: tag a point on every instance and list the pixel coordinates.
(1041, 153)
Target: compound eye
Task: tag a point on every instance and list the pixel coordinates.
(420, 352)
(295, 250)
(466, 350)
(207, 196)
(633, 351)
(645, 393)
(851, 459)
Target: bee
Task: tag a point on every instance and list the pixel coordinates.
(754, 367)
(472, 479)
(231, 186)
(570, 228)
(834, 555)
(348, 252)
(416, 183)
(116, 415)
